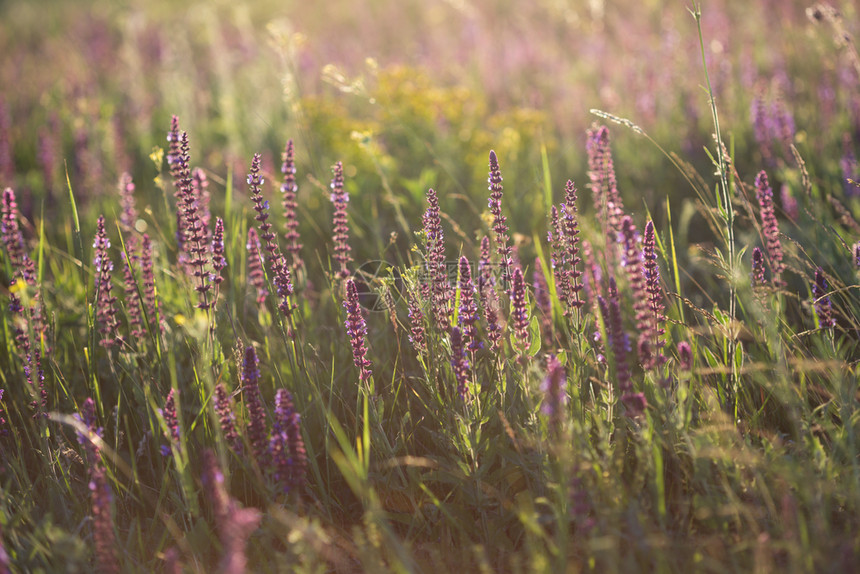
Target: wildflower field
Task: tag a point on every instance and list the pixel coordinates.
(453, 286)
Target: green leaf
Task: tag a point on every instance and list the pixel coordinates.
(534, 335)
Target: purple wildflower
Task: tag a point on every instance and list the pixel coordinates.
(105, 302)
(500, 226)
(603, 185)
(519, 313)
(757, 275)
(620, 345)
(770, 228)
(200, 191)
(256, 427)
(468, 312)
(491, 315)
(789, 203)
(542, 298)
(286, 447)
(148, 279)
(554, 395)
(128, 213)
(284, 289)
(655, 319)
(823, 306)
(289, 188)
(132, 297)
(356, 328)
(761, 125)
(226, 417)
(195, 245)
(857, 255)
(11, 234)
(219, 262)
(174, 152)
(256, 276)
(233, 523)
(685, 356)
(569, 238)
(416, 322)
(438, 289)
(34, 365)
(267, 236)
(104, 539)
(485, 268)
(171, 419)
(340, 231)
(7, 166)
(632, 263)
(459, 361)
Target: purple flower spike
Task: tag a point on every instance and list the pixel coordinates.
(554, 396)
(194, 242)
(620, 344)
(226, 417)
(256, 427)
(459, 362)
(569, 231)
(500, 226)
(356, 328)
(770, 228)
(286, 447)
(128, 215)
(416, 321)
(173, 151)
(857, 255)
(219, 262)
(256, 276)
(289, 189)
(655, 319)
(685, 356)
(11, 234)
(171, 419)
(601, 172)
(104, 539)
(519, 313)
(757, 275)
(233, 523)
(105, 302)
(267, 236)
(148, 278)
(468, 313)
(340, 231)
(823, 306)
(437, 287)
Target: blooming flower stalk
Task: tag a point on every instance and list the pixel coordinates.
(256, 275)
(219, 261)
(651, 336)
(233, 524)
(356, 328)
(770, 228)
(554, 395)
(195, 244)
(519, 312)
(340, 231)
(620, 344)
(261, 206)
(437, 287)
(256, 426)
(757, 275)
(171, 419)
(823, 306)
(105, 302)
(500, 226)
(603, 185)
(10, 232)
(289, 189)
(286, 446)
(227, 417)
(467, 315)
(459, 361)
(416, 322)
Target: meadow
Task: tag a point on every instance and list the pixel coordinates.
(475, 285)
